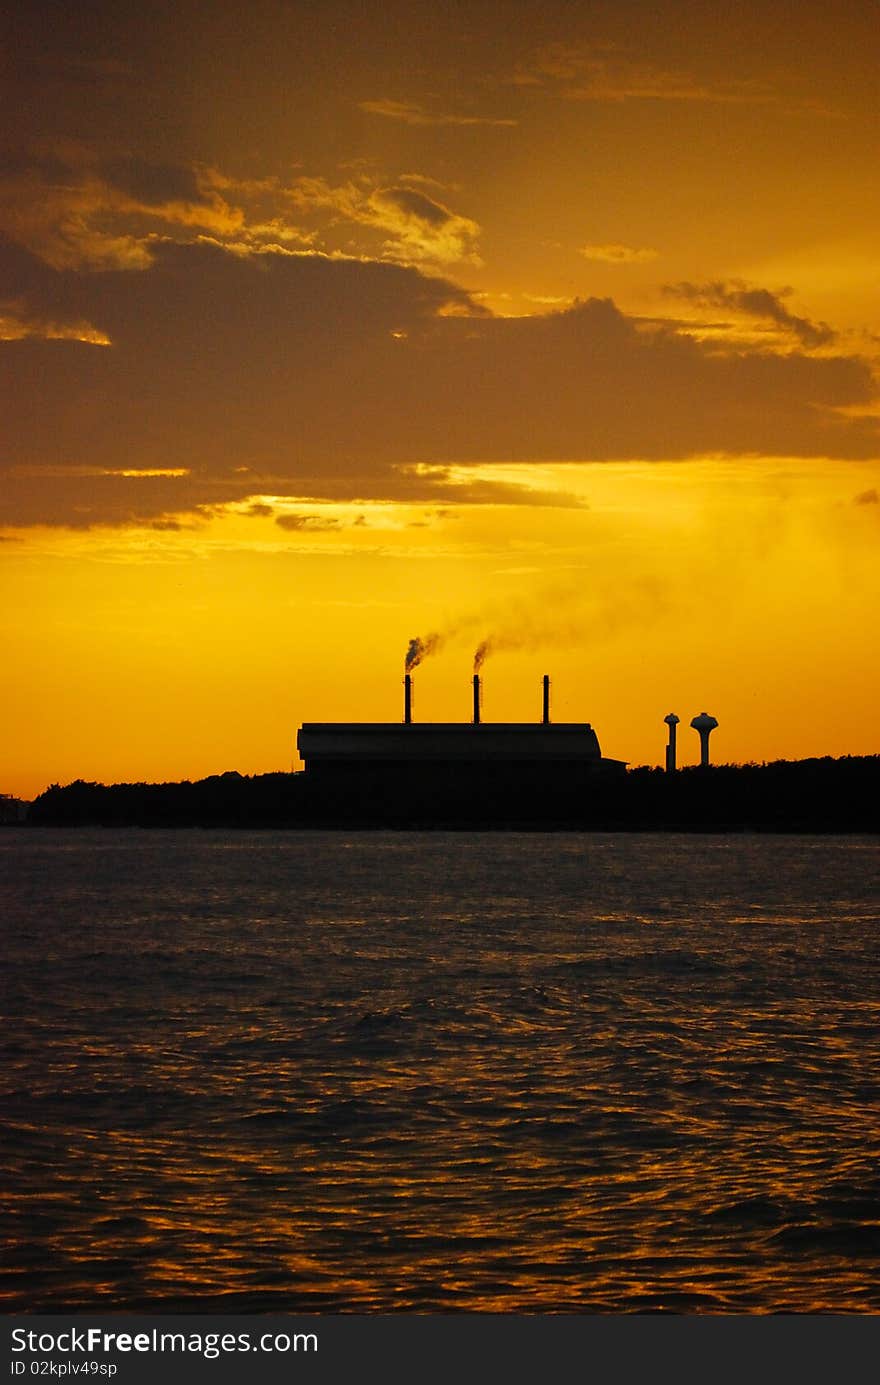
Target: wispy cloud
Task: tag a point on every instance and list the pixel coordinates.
(77, 210)
(18, 325)
(314, 523)
(751, 301)
(607, 73)
(419, 229)
(410, 113)
(614, 253)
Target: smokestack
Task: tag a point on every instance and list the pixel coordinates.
(545, 718)
(407, 700)
(671, 722)
(704, 724)
(476, 699)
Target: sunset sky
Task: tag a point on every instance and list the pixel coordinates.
(325, 325)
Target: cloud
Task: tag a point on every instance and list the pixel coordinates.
(418, 229)
(75, 210)
(618, 254)
(870, 497)
(410, 113)
(311, 523)
(608, 73)
(233, 377)
(78, 210)
(424, 230)
(16, 325)
(421, 180)
(549, 300)
(464, 486)
(154, 184)
(754, 302)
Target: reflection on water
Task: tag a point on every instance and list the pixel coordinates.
(313, 1071)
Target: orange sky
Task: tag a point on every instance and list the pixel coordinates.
(323, 326)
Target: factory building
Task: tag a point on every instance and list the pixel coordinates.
(516, 762)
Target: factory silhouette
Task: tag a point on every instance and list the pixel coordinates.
(489, 776)
(446, 773)
(456, 762)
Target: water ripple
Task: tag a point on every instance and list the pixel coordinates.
(568, 1073)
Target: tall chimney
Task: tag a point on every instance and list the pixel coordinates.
(476, 699)
(407, 700)
(545, 718)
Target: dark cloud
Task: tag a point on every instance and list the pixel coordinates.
(433, 480)
(304, 375)
(153, 184)
(754, 302)
(73, 209)
(79, 501)
(418, 205)
(310, 523)
(22, 163)
(870, 497)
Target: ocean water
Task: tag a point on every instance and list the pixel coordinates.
(314, 1071)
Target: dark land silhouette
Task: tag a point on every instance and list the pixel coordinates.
(813, 795)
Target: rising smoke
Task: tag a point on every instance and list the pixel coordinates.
(562, 614)
(420, 649)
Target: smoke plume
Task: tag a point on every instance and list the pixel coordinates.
(420, 649)
(483, 650)
(562, 614)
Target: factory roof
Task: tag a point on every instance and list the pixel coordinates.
(464, 741)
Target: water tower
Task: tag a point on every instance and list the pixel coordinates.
(704, 724)
(671, 722)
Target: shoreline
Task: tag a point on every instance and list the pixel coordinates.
(799, 797)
